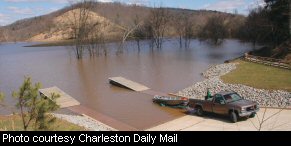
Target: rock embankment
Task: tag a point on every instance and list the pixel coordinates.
(266, 98)
(84, 121)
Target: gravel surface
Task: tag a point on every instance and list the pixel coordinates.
(87, 122)
(266, 98)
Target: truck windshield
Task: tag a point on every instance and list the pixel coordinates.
(232, 97)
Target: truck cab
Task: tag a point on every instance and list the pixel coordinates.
(225, 103)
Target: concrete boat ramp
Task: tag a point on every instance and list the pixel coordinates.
(275, 122)
(65, 101)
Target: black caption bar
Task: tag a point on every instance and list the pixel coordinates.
(144, 138)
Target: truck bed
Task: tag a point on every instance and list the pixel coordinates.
(194, 102)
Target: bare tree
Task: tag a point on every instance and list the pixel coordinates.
(184, 27)
(96, 38)
(214, 29)
(139, 32)
(189, 33)
(262, 121)
(126, 32)
(158, 20)
(3, 35)
(179, 23)
(81, 25)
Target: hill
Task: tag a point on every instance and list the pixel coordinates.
(113, 16)
(61, 26)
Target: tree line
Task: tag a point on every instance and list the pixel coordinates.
(268, 24)
(158, 24)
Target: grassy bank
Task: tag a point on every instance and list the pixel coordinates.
(259, 76)
(14, 123)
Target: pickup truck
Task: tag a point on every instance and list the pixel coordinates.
(225, 103)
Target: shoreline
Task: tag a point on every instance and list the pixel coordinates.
(44, 43)
(85, 121)
(274, 99)
(266, 98)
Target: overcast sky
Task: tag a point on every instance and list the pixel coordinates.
(12, 10)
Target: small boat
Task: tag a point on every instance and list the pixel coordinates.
(170, 101)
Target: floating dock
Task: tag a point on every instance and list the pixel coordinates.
(126, 83)
(64, 100)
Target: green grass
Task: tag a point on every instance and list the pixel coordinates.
(259, 76)
(14, 123)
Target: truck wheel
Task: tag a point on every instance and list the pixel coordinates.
(252, 115)
(233, 117)
(199, 111)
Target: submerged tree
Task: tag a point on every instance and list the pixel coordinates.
(183, 25)
(82, 25)
(214, 30)
(96, 41)
(80, 28)
(157, 24)
(139, 32)
(33, 107)
(129, 31)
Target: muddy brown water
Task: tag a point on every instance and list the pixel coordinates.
(166, 70)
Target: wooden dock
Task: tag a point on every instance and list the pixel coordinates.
(126, 83)
(64, 100)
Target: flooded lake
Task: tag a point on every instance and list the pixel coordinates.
(167, 70)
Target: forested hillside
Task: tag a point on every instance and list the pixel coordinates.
(119, 17)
